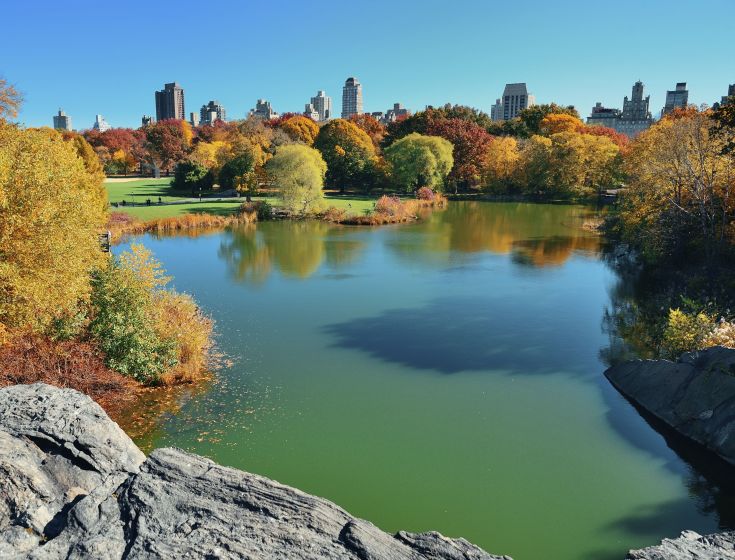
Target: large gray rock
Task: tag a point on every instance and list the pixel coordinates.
(689, 546)
(75, 486)
(694, 395)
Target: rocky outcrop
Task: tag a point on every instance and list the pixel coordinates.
(689, 546)
(694, 395)
(73, 485)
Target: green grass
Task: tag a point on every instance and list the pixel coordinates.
(139, 190)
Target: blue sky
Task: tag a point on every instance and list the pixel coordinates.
(109, 57)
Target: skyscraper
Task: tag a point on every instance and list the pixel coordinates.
(515, 99)
(170, 102)
(496, 111)
(212, 112)
(351, 98)
(636, 115)
(322, 104)
(100, 124)
(725, 98)
(62, 121)
(676, 99)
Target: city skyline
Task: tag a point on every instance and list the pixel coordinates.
(580, 65)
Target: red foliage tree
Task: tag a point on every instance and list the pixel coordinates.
(166, 143)
(471, 143)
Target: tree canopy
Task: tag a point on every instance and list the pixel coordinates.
(348, 151)
(298, 172)
(420, 161)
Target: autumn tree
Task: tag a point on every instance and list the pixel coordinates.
(300, 129)
(420, 161)
(372, 127)
(51, 211)
(10, 100)
(349, 153)
(531, 117)
(212, 155)
(298, 172)
(680, 192)
(554, 123)
(501, 164)
(168, 142)
(470, 142)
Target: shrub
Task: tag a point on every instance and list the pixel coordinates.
(123, 323)
(686, 332)
(425, 193)
(30, 358)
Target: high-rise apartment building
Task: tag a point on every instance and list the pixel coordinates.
(146, 120)
(725, 98)
(515, 99)
(263, 110)
(604, 116)
(351, 98)
(62, 121)
(170, 102)
(676, 99)
(100, 124)
(311, 112)
(634, 118)
(212, 112)
(496, 111)
(397, 112)
(322, 104)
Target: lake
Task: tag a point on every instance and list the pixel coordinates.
(445, 375)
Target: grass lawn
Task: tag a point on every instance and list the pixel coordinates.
(139, 190)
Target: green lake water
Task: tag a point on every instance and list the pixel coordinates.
(441, 375)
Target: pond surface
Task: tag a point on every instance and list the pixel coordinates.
(441, 375)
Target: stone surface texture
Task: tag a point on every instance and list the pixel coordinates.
(73, 485)
(694, 395)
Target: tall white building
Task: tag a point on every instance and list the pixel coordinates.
(322, 104)
(515, 99)
(62, 121)
(100, 124)
(351, 98)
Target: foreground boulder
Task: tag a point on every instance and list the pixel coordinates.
(689, 546)
(694, 395)
(75, 486)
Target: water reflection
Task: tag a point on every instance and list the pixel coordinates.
(535, 234)
(295, 249)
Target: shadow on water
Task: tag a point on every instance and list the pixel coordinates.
(710, 481)
(455, 334)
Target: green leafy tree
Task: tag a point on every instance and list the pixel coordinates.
(420, 161)
(349, 153)
(190, 175)
(298, 172)
(235, 173)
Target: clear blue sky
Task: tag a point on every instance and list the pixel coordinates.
(109, 57)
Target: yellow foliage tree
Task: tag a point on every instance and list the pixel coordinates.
(501, 163)
(51, 211)
(681, 185)
(212, 155)
(560, 122)
(301, 129)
